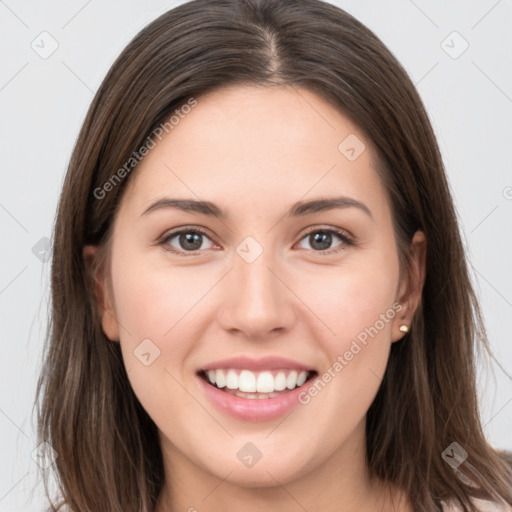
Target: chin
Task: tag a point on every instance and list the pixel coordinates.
(266, 472)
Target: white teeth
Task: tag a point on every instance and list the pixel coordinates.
(302, 378)
(220, 379)
(280, 381)
(265, 383)
(291, 380)
(255, 396)
(232, 380)
(246, 381)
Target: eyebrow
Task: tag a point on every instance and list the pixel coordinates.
(298, 209)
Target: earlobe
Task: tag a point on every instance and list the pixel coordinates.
(102, 298)
(411, 288)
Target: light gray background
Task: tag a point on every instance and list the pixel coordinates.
(44, 101)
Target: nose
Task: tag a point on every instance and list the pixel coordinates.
(258, 302)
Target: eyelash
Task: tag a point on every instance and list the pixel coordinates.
(347, 240)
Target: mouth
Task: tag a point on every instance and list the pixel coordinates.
(256, 385)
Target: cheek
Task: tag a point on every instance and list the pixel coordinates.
(357, 302)
(358, 307)
(156, 307)
(353, 298)
(153, 299)
(153, 304)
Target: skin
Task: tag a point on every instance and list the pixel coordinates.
(255, 151)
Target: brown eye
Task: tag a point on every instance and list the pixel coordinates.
(321, 240)
(185, 240)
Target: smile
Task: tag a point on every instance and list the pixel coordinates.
(256, 385)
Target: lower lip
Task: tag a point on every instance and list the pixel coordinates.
(253, 409)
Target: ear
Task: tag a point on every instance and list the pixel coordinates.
(103, 298)
(411, 285)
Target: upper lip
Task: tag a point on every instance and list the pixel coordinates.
(261, 364)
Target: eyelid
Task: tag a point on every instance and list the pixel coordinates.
(339, 231)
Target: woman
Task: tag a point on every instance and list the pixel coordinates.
(260, 295)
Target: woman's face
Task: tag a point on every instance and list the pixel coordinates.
(278, 289)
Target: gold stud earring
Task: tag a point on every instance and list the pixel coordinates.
(404, 328)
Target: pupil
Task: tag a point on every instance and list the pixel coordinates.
(321, 239)
(187, 241)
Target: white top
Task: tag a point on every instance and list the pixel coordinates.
(482, 505)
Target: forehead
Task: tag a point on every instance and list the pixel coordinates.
(252, 145)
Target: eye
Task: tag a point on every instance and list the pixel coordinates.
(321, 239)
(187, 240)
(192, 239)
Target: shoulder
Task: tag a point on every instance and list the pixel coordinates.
(481, 505)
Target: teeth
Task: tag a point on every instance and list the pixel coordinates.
(247, 382)
(250, 384)
(220, 379)
(280, 381)
(232, 380)
(301, 378)
(291, 380)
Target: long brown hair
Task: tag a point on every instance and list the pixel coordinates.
(109, 457)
